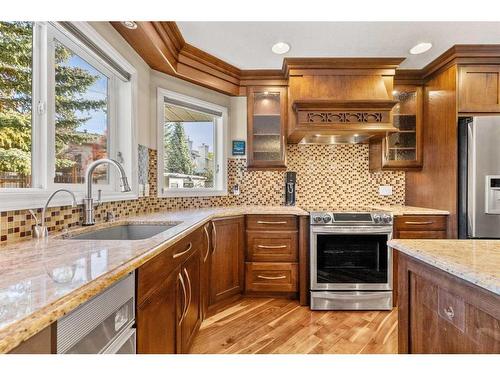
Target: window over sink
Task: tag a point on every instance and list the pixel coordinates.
(66, 99)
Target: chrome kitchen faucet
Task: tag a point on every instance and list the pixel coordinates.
(88, 201)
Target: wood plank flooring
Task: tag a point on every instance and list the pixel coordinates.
(266, 325)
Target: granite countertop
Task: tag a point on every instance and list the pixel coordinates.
(41, 280)
(399, 210)
(475, 261)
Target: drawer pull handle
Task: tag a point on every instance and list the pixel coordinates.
(449, 312)
(271, 277)
(419, 222)
(271, 246)
(271, 222)
(177, 255)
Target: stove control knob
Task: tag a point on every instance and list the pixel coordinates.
(377, 219)
(317, 219)
(387, 219)
(327, 218)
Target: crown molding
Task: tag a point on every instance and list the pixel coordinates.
(164, 49)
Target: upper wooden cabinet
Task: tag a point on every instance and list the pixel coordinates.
(479, 89)
(266, 126)
(403, 149)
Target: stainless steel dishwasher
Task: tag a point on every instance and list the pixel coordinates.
(103, 325)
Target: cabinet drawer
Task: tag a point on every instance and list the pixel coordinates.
(421, 234)
(151, 274)
(420, 223)
(272, 222)
(266, 246)
(271, 277)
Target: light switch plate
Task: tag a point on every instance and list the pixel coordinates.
(385, 190)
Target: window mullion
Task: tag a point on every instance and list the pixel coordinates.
(39, 112)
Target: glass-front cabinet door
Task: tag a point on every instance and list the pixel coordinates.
(404, 148)
(266, 127)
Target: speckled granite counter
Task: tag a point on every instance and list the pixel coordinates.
(475, 261)
(35, 289)
(398, 210)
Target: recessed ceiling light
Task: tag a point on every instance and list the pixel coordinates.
(280, 48)
(421, 48)
(130, 25)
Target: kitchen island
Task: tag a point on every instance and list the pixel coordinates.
(449, 296)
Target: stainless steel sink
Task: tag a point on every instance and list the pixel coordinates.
(125, 232)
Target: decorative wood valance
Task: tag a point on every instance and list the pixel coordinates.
(328, 112)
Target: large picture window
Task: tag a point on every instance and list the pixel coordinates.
(192, 158)
(61, 95)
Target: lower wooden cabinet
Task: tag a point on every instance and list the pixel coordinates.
(206, 260)
(440, 313)
(227, 258)
(189, 313)
(170, 313)
(157, 319)
(415, 227)
(44, 342)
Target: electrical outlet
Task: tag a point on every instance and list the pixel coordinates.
(385, 190)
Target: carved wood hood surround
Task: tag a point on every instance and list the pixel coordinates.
(325, 112)
(366, 118)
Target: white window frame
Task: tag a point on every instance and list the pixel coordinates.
(220, 149)
(123, 111)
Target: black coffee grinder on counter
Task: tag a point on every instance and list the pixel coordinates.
(290, 179)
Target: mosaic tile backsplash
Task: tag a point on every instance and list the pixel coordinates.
(328, 176)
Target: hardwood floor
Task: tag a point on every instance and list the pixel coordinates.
(265, 326)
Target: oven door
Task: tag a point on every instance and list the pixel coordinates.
(351, 258)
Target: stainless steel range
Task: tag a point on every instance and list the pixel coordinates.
(351, 264)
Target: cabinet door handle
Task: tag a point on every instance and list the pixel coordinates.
(183, 285)
(419, 222)
(214, 237)
(271, 246)
(449, 312)
(271, 277)
(271, 222)
(190, 290)
(177, 255)
(208, 243)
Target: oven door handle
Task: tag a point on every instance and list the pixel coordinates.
(350, 230)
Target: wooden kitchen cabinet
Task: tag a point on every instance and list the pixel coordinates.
(403, 149)
(169, 297)
(479, 89)
(271, 255)
(157, 319)
(415, 227)
(189, 312)
(206, 261)
(44, 342)
(227, 258)
(440, 313)
(266, 126)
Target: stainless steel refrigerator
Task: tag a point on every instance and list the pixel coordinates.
(479, 177)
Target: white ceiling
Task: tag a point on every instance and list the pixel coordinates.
(247, 45)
